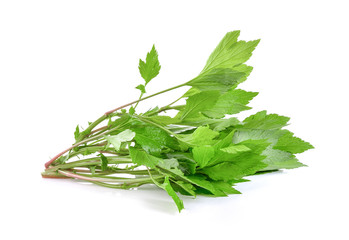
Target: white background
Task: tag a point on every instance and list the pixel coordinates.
(64, 63)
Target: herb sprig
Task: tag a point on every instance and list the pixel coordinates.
(203, 149)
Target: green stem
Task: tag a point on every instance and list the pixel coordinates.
(47, 164)
(142, 99)
(105, 179)
(119, 186)
(90, 161)
(101, 119)
(155, 124)
(87, 131)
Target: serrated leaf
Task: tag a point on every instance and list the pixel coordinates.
(222, 49)
(163, 120)
(116, 140)
(186, 162)
(275, 159)
(254, 154)
(235, 149)
(225, 123)
(203, 154)
(225, 141)
(169, 163)
(166, 185)
(153, 139)
(292, 144)
(141, 87)
(215, 124)
(143, 158)
(230, 52)
(220, 79)
(198, 103)
(131, 111)
(151, 67)
(202, 182)
(201, 136)
(237, 167)
(104, 162)
(77, 132)
(225, 187)
(121, 121)
(264, 121)
(184, 188)
(231, 102)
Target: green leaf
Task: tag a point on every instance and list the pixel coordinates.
(222, 49)
(192, 91)
(201, 136)
(162, 120)
(141, 87)
(220, 79)
(231, 102)
(116, 140)
(166, 185)
(169, 163)
(264, 121)
(104, 162)
(197, 180)
(243, 69)
(239, 165)
(121, 121)
(215, 124)
(291, 144)
(201, 181)
(275, 158)
(203, 154)
(198, 103)
(256, 148)
(225, 141)
(77, 132)
(186, 162)
(153, 139)
(225, 123)
(235, 149)
(184, 188)
(92, 169)
(151, 67)
(131, 111)
(225, 187)
(230, 52)
(224, 68)
(143, 158)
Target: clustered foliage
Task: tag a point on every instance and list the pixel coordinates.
(203, 149)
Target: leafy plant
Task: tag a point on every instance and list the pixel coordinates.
(201, 150)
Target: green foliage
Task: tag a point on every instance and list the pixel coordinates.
(142, 158)
(126, 135)
(202, 150)
(198, 103)
(231, 102)
(104, 162)
(151, 67)
(141, 87)
(77, 132)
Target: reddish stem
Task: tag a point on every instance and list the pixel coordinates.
(57, 156)
(108, 152)
(121, 107)
(47, 176)
(72, 175)
(97, 130)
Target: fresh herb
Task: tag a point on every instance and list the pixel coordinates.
(201, 149)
